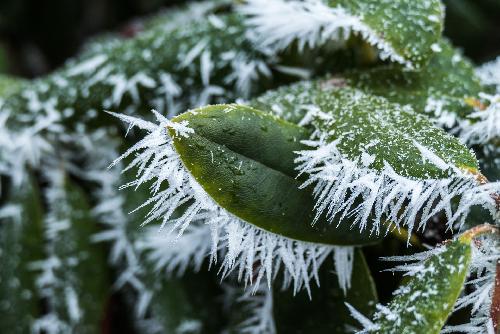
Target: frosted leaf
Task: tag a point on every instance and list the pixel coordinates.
(276, 24)
(67, 227)
(48, 281)
(449, 90)
(437, 276)
(189, 63)
(424, 302)
(249, 252)
(485, 260)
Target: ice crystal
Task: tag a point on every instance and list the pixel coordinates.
(111, 212)
(368, 325)
(339, 184)
(175, 255)
(489, 73)
(23, 147)
(260, 309)
(482, 126)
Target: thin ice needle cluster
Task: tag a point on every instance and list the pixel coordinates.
(345, 188)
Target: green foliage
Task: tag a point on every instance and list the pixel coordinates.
(423, 304)
(82, 277)
(273, 190)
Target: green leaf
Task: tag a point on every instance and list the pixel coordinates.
(21, 242)
(365, 123)
(410, 27)
(83, 269)
(244, 159)
(449, 79)
(373, 160)
(326, 311)
(424, 303)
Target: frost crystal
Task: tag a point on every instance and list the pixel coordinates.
(489, 73)
(482, 125)
(26, 146)
(111, 211)
(253, 254)
(260, 308)
(345, 188)
(368, 325)
(314, 24)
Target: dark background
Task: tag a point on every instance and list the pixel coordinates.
(37, 36)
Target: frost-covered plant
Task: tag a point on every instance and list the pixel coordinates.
(286, 192)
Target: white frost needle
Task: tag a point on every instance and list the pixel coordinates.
(368, 325)
(489, 73)
(240, 244)
(482, 126)
(344, 188)
(259, 306)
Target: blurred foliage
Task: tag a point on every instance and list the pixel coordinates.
(41, 35)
